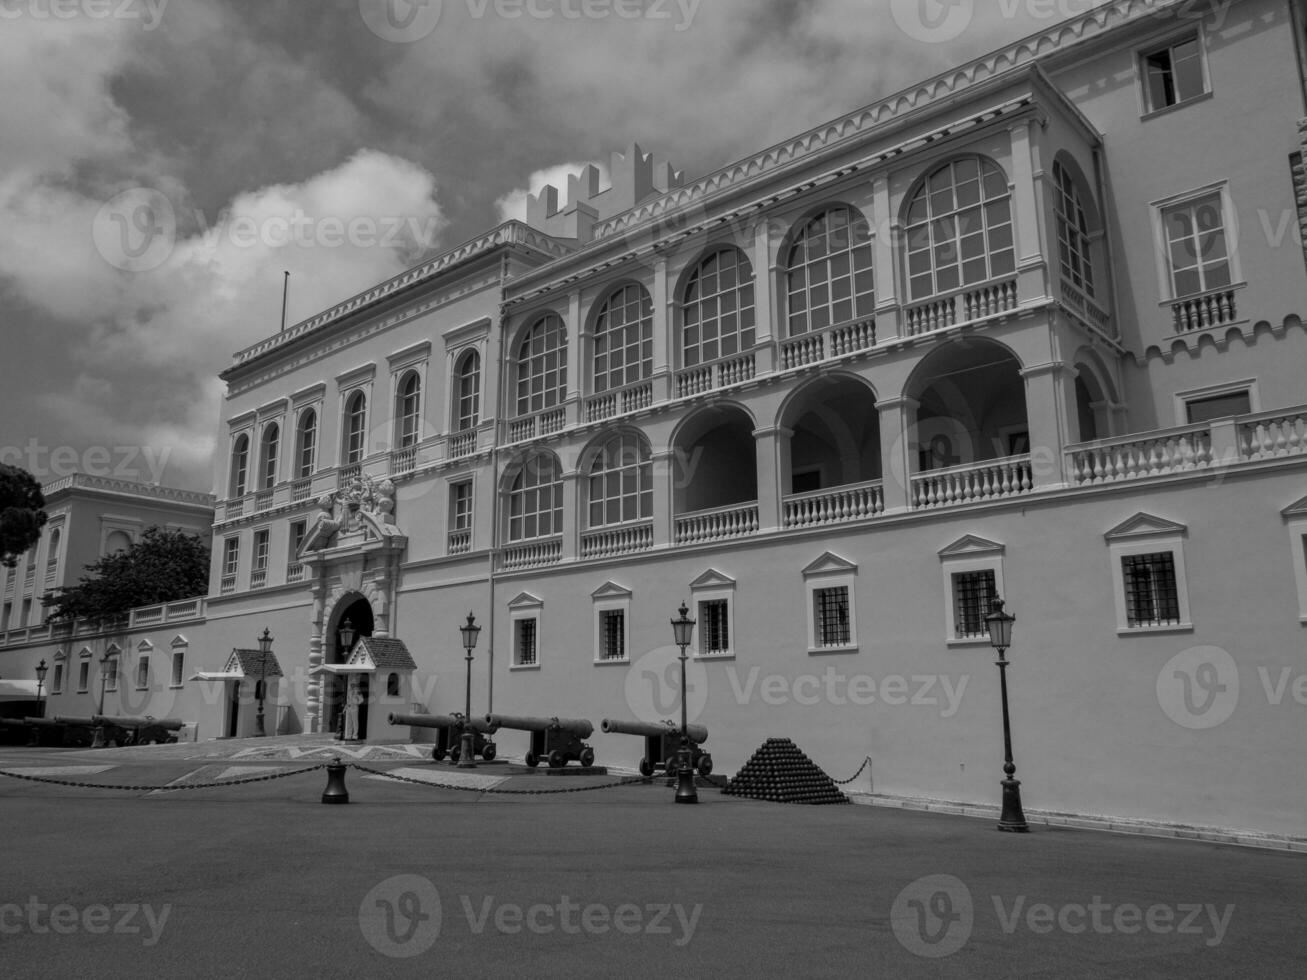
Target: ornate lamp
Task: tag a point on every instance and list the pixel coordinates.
(470, 631)
(41, 669)
(265, 649)
(999, 623)
(683, 632)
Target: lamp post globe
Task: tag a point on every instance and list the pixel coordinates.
(683, 632)
(469, 632)
(999, 624)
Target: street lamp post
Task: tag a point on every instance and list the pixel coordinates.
(683, 630)
(346, 645)
(470, 631)
(265, 649)
(99, 740)
(1000, 623)
(41, 669)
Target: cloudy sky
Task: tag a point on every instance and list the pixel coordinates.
(163, 161)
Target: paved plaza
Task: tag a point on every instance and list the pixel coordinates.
(261, 879)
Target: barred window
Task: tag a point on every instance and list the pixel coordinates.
(623, 344)
(356, 418)
(240, 465)
(1151, 596)
(408, 411)
(714, 626)
(1072, 232)
(268, 454)
(524, 643)
(831, 279)
(1197, 252)
(535, 502)
(612, 634)
(468, 410)
(542, 366)
(717, 310)
(959, 229)
(621, 482)
(973, 594)
(306, 440)
(831, 616)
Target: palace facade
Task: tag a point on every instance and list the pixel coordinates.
(1030, 329)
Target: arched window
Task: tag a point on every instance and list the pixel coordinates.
(621, 482)
(240, 465)
(306, 444)
(467, 410)
(831, 279)
(717, 309)
(268, 456)
(1072, 232)
(623, 345)
(959, 228)
(408, 411)
(356, 420)
(535, 502)
(52, 553)
(542, 366)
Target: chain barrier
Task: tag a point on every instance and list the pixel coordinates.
(150, 789)
(845, 782)
(631, 781)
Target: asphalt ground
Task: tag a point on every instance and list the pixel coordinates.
(263, 880)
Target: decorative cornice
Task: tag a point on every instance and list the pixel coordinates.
(128, 488)
(1216, 339)
(969, 546)
(1144, 525)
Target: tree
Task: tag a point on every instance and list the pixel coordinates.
(22, 513)
(163, 566)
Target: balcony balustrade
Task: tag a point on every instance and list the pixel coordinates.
(228, 584)
(301, 489)
(540, 424)
(836, 341)
(348, 474)
(991, 480)
(614, 541)
(460, 542)
(258, 578)
(1269, 436)
(1136, 457)
(533, 554)
(720, 524)
(720, 374)
(1211, 309)
(1086, 308)
(263, 500)
(837, 505)
(403, 460)
(962, 306)
(620, 401)
(463, 444)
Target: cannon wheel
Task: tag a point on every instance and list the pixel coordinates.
(532, 759)
(556, 759)
(705, 765)
(587, 757)
(488, 753)
(438, 754)
(670, 765)
(454, 754)
(646, 768)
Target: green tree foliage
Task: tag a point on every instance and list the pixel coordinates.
(163, 566)
(22, 513)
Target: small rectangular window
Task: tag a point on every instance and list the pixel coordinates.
(1218, 406)
(714, 626)
(1198, 255)
(84, 676)
(260, 551)
(612, 634)
(231, 556)
(58, 684)
(143, 673)
(1151, 595)
(178, 665)
(460, 506)
(111, 674)
(524, 643)
(973, 592)
(1174, 74)
(831, 617)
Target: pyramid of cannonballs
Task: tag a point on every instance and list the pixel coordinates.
(780, 773)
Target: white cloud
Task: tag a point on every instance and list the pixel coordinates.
(512, 206)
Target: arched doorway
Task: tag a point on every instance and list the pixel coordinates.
(356, 612)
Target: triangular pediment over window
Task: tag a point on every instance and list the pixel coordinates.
(830, 563)
(1296, 509)
(713, 579)
(526, 600)
(970, 545)
(611, 590)
(1144, 526)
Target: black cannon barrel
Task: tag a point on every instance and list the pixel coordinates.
(167, 724)
(573, 726)
(440, 721)
(74, 720)
(43, 722)
(610, 726)
(12, 723)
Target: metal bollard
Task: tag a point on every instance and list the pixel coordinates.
(336, 791)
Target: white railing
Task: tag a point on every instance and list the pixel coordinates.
(147, 616)
(533, 554)
(1085, 308)
(1135, 457)
(539, 424)
(460, 542)
(709, 377)
(619, 402)
(258, 578)
(404, 460)
(614, 541)
(1212, 309)
(348, 474)
(1269, 436)
(295, 572)
(835, 341)
(263, 500)
(235, 508)
(184, 609)
(301, 489)
(975, 303)
(721, 524)
(463, 444)
(854, 502)
(991, 480)
(228, 584)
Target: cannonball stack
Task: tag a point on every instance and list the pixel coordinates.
(780, 773)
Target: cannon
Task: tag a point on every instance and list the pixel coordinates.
(143, 731)
(662, 744)
(46, 731)
(80, 731)
(449, 734)
(555, 740)
(11, 726)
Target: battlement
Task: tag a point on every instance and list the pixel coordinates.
(635, 176)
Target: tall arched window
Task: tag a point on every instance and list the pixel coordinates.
(52, 553)
(355, 429)
(623, 345)
(467, 409)
(268, 456)
(408, 411)
(306, 444)
(1072, 231)
(831, 279)
(621, 482)
(959, 228)
(240, 465)
(535, 502)
(717, 309)
(542, 366)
